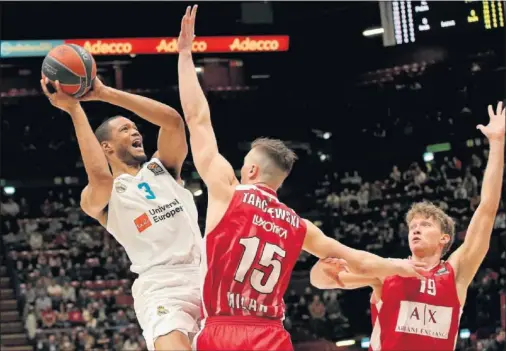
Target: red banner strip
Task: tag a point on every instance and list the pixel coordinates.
(139, 46)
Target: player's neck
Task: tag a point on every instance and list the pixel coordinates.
(265, 185)
(123, 168)
(431, 260)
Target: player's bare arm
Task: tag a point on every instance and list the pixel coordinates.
(468, 257)
(328, 273)
(359, 262)
(172, 146)
(215, 170)
(96, 194)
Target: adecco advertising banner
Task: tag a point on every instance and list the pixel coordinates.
(139, 46)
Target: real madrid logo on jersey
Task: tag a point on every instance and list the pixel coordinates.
(155, 168)
(120, 187)
(161, 310)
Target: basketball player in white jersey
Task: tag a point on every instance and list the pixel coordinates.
(145, 207)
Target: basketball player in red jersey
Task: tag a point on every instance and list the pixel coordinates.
(252, 240)
(411, 314)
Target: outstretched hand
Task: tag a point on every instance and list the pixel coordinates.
(59, 99)
(187, 34)
(332, 267)
(495, 129)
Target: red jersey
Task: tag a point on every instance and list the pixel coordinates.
(418, 314)
(250, 255)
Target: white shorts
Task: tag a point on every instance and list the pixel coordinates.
(167, 300)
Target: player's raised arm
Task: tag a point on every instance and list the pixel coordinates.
(214, 169)
(359, 262)
(468, 257)
(172, 146)
(96, 194)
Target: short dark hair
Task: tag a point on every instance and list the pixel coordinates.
(103, 133)
(277, 151)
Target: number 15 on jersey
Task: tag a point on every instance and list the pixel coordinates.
(267, 259)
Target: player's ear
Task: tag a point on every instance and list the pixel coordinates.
(445, 239)
(253, 171)
(107, 147)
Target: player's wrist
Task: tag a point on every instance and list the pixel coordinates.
(186, 53)
(105, 93)
(497, 142)
(74, 108)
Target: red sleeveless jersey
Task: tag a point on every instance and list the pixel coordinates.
(418, 314)
(249, 256)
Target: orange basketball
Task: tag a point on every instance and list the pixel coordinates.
(72, 66)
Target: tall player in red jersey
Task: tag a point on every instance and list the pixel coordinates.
(410, 314)
(252, 239)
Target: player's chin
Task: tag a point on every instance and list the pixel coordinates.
(138, 154)
(137, 151)
(416, 245)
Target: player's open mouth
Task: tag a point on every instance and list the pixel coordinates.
(137, 144)
(415, 240)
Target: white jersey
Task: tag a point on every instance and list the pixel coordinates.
(154, 218)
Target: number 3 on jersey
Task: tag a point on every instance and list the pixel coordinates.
(267, 259)
(428, 286)
(150, 195)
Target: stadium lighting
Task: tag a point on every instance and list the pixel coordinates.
(9, 190)
(345, 343)
(198, 192)
(373, 31)
(428, 156)
(327, 135)
(465, 334)
(364, 343)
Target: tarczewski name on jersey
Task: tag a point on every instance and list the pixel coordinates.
(279, 213)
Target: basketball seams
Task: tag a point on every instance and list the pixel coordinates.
(80, 60)
(70, 70)
(87, 72)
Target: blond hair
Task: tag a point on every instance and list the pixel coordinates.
(429, 210)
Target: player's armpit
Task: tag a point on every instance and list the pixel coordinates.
(324, 276)
(172, 146)
(95, 197)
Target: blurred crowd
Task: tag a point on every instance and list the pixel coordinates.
(73, 279)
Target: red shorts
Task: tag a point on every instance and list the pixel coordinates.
(243, 333)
